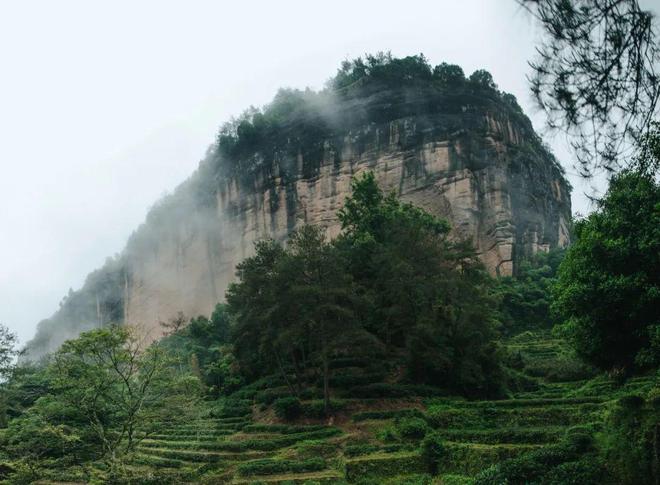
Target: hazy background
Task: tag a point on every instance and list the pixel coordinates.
(104, 106)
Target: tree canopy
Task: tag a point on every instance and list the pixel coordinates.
(392, 285)
(609, 283)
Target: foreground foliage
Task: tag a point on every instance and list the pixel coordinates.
(609, 282)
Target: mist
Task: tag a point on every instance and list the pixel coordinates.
(106, 107)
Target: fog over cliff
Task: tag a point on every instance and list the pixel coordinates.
(105, 108)
(456, 146)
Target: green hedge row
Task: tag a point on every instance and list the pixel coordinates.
(369, 448)
(384, 465)
(272, 467)
(398, 413)
(254, 444)
(382, 389)
(282, 428)
(541, 435)
(494, 417)
(531, 466)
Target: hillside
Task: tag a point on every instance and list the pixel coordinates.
(454, 146)
(377, 432)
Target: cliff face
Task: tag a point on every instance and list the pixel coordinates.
(493, 187)
(480, 165)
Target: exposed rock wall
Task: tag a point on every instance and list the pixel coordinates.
(474, 160)
(493, 184)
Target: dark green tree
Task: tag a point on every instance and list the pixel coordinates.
(609, 282)
(449, 75)
(526, 297)
(8, 351)
(431, 297)
(250, 302)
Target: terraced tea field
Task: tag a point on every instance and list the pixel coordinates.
(377, 439)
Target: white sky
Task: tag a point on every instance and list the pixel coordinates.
(104, 106)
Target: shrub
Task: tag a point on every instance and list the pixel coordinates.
(383, 389)
(231, 408)
(433, 449)
(630, 441)
(271, 467)
(531, 466)
(412, 428)
(383, 467)
(587, 471)
(282, 428)
(269, 396)
(316, 448)
(316, 409)
(399, 413)
(287, 408)
(631, 402)
(387, 435)
(368, 448)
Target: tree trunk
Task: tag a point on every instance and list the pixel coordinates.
(297, 372)
(656, 454)
(326, 387)
(286, 378)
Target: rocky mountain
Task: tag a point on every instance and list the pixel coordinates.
(454, 146)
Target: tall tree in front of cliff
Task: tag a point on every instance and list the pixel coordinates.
(394, 249)
(596, 76)
(430, 296)
(323, 291)
(609, 282)
(250, 302)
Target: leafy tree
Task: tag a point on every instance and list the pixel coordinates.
(249, 301)
(391, 283)
(596, 75)
(483, 79)
(295, 305)
(27, 383)
(112, 383)
(527, 296)
(323, 292)
(174, 324)
(50, 433)
(202, 346)
(382, 67)
(609, 284)
(449, 75)
(8, 351)
(401, 255)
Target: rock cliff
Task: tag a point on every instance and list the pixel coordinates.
(465, 153)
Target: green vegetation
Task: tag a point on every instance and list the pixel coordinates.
(392, 289)
(609, 283)
(375, 357)
(526, 298)
(374, 89)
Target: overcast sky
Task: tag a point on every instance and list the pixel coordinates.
(105, 106)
